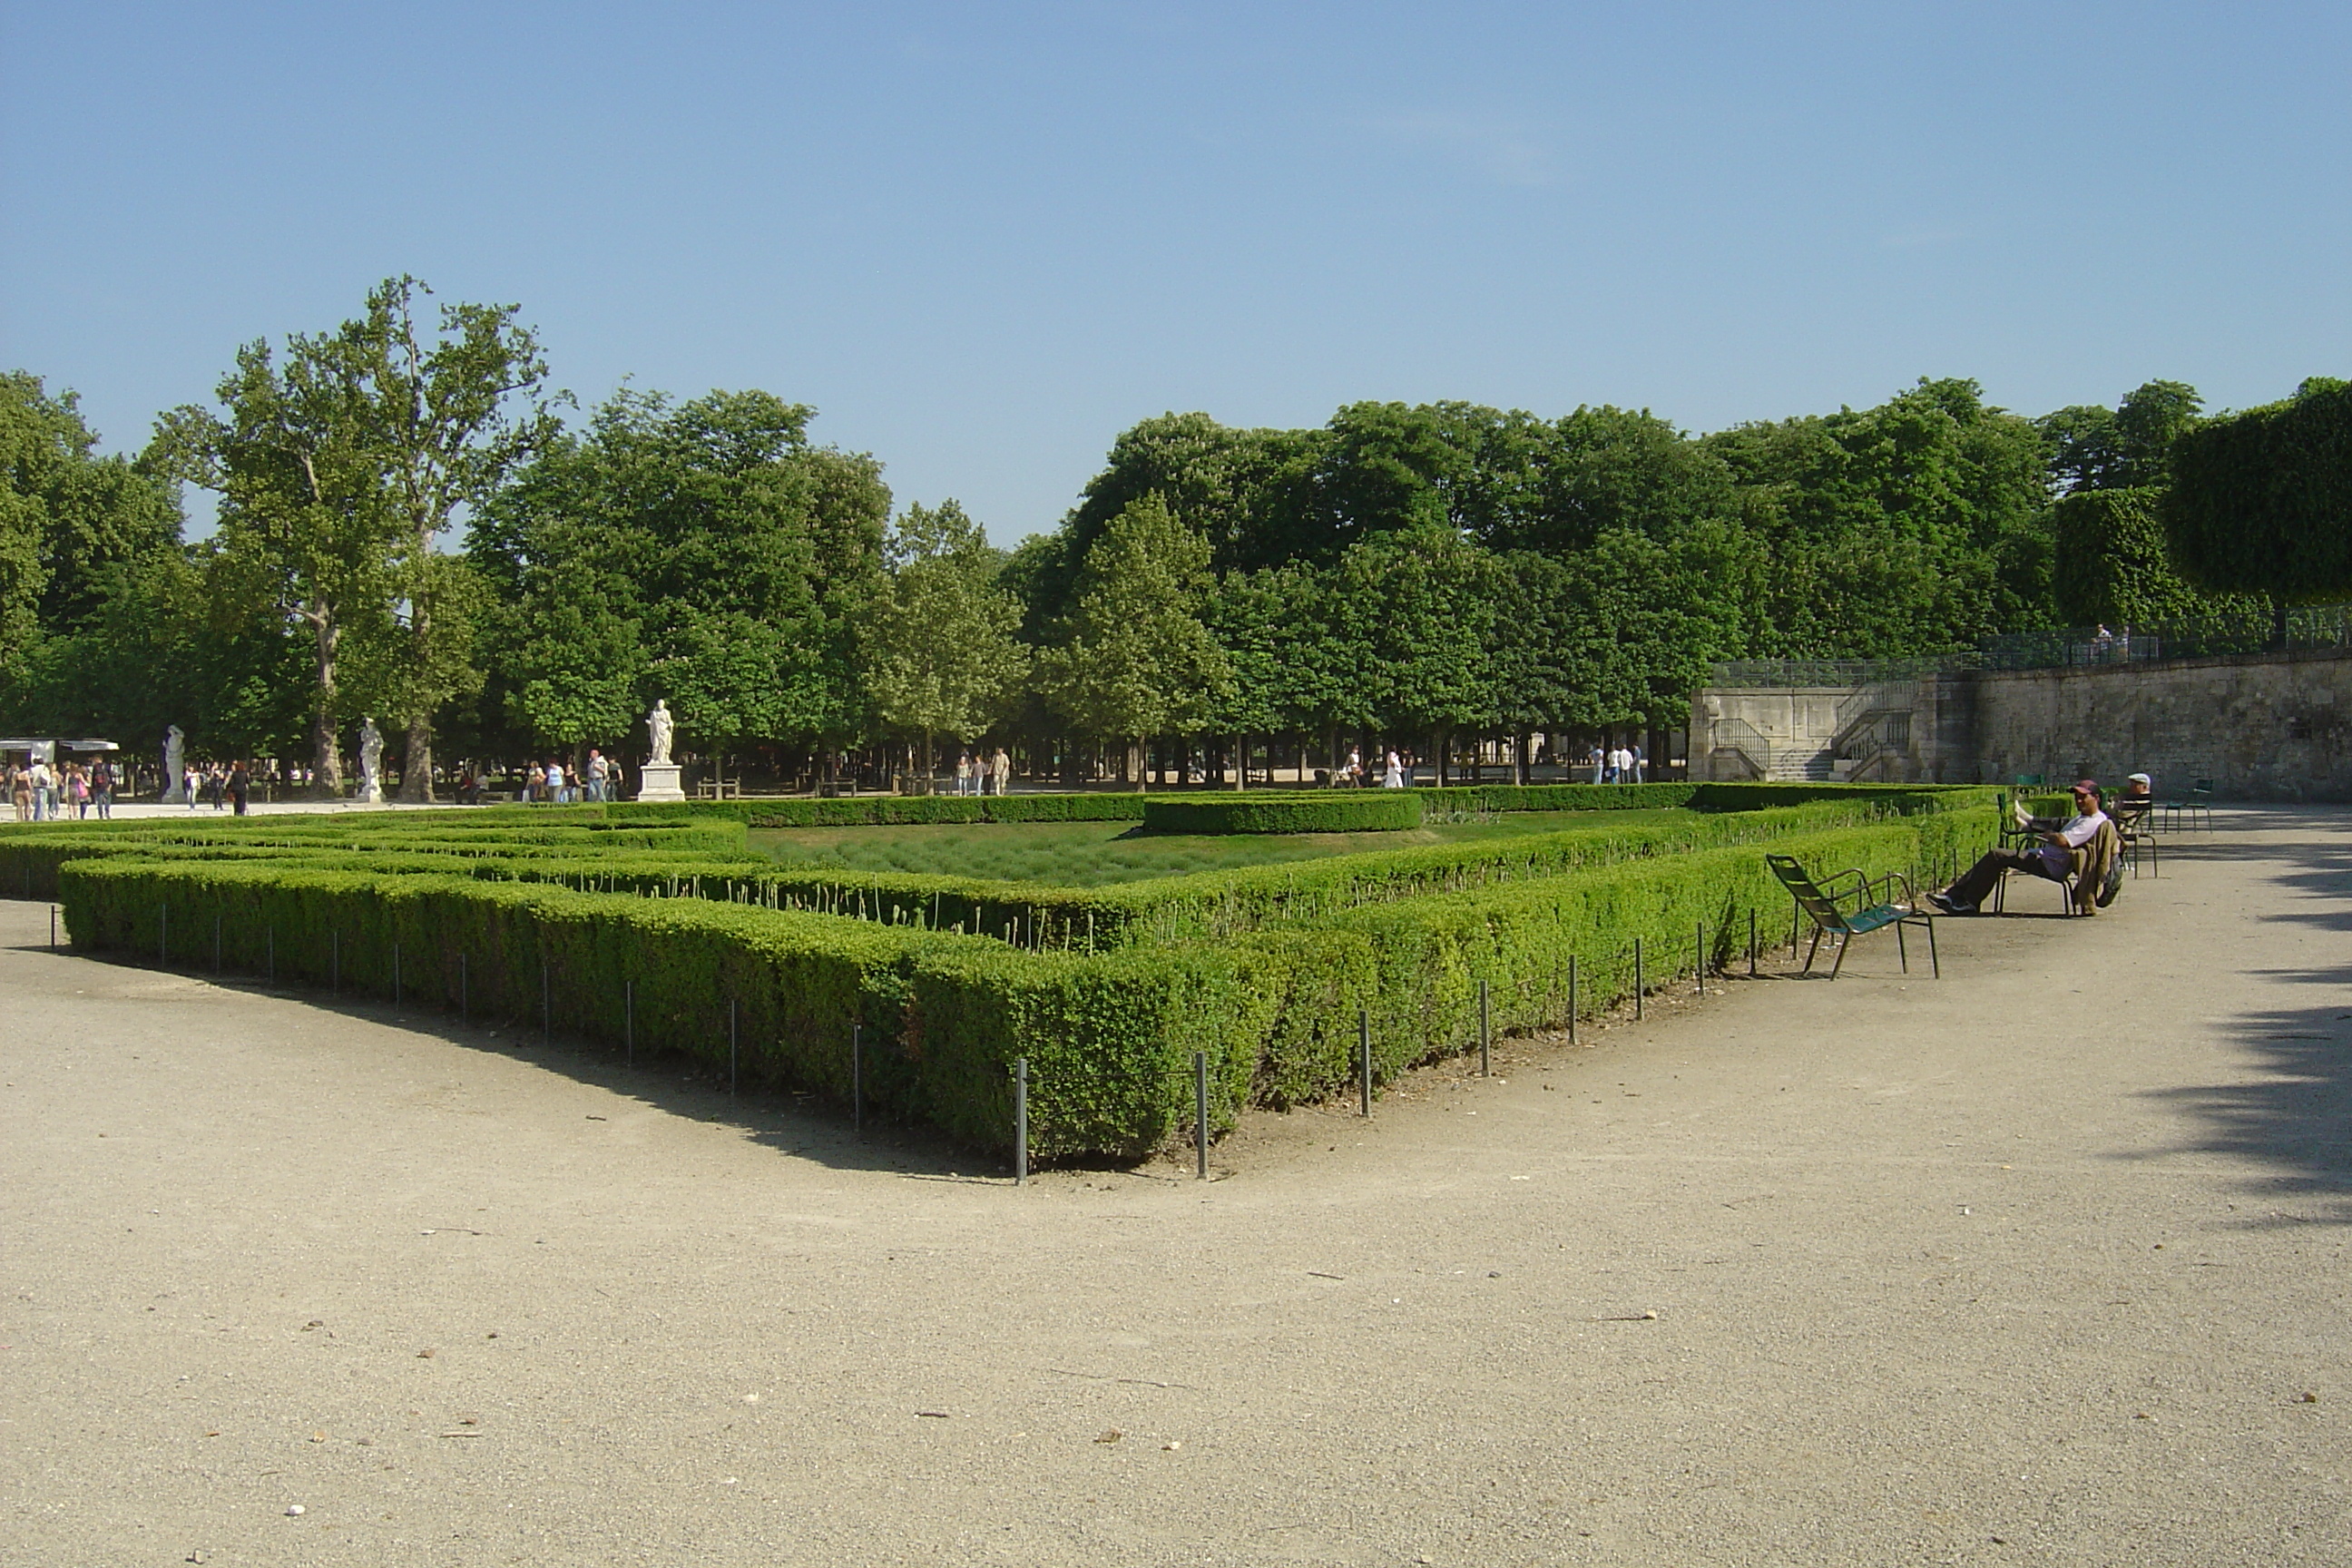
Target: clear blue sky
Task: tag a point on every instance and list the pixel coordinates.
(983, 239)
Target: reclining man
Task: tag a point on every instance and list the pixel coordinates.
(2049, 858)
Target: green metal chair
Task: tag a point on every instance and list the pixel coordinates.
(1823, 902)
(2135, 832)
(2200, 799)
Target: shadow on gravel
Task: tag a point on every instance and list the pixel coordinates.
(2296, 1116)
(793, 1124)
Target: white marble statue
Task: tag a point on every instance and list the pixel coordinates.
(370, 763)
(175, 743)
(657, 725)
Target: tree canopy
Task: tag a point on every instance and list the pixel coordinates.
(1416, 573)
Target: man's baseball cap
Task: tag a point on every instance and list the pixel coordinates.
(2086, 786)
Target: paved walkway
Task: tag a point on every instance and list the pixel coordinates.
(2042, 1264)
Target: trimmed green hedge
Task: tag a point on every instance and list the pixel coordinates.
(1109, 1038)
(1130, 805)
(888, 810)
(1264, 969)
(1415, 966)
(1216, 905)
(1325, 810)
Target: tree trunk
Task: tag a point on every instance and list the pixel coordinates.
(416, 764)
(1134, 765)
(1241, 762)
(326, 751)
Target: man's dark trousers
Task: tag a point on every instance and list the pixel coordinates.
(1977, 885)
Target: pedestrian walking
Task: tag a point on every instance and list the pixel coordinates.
(1003, 769)
(102, 789)
(240, 784)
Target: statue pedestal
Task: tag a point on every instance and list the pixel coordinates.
(659, 781)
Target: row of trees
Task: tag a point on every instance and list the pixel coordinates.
(409, 527)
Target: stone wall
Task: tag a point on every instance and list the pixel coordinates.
(2262, 727)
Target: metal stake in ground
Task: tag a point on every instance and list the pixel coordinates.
(1364, 1057)
(162, 936)
(546, 1006)
(629, 1023)
(734, 1042)
(334, 961)
(1200, 1110)
(1751, 944)
(1486, 1034)
(1698, 968)
(1637, 978)
(464, 998)
(857, 1077)
(1020, 1120)
(52, 928)
(395, 974)
(1571, 998)
(217, 942)
(273, 955)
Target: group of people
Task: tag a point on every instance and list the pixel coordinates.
(1619, 764)
(986, 773)
(220, 785)
(1396, 772)
(41, 792)
(2065, 847)
(561, 783)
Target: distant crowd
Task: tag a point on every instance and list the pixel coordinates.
(41, 792)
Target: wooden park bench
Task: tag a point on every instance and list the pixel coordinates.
(1824, 902)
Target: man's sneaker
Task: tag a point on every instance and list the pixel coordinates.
(1950, 905)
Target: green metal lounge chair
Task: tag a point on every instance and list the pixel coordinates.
(1824, 900)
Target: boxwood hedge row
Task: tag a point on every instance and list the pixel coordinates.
(1216, 905)
(1325, 810)
(886, 810)
(1109, 1036)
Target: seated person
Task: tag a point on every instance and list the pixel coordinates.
(2137, 799)
(2049, 858)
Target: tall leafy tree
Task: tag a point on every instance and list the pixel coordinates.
(699, 552)
(339, 469)
(1912, 528)
(2124, 447)
(1417, 609)
(451, 413)
(1134, 658)
(308, 525)
(942, 654)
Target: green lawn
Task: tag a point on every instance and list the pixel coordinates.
(1088, 853)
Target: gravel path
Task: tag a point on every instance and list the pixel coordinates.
(2044, 1263)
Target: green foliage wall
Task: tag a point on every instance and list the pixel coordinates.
(2114, 563)
(2261, 501)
